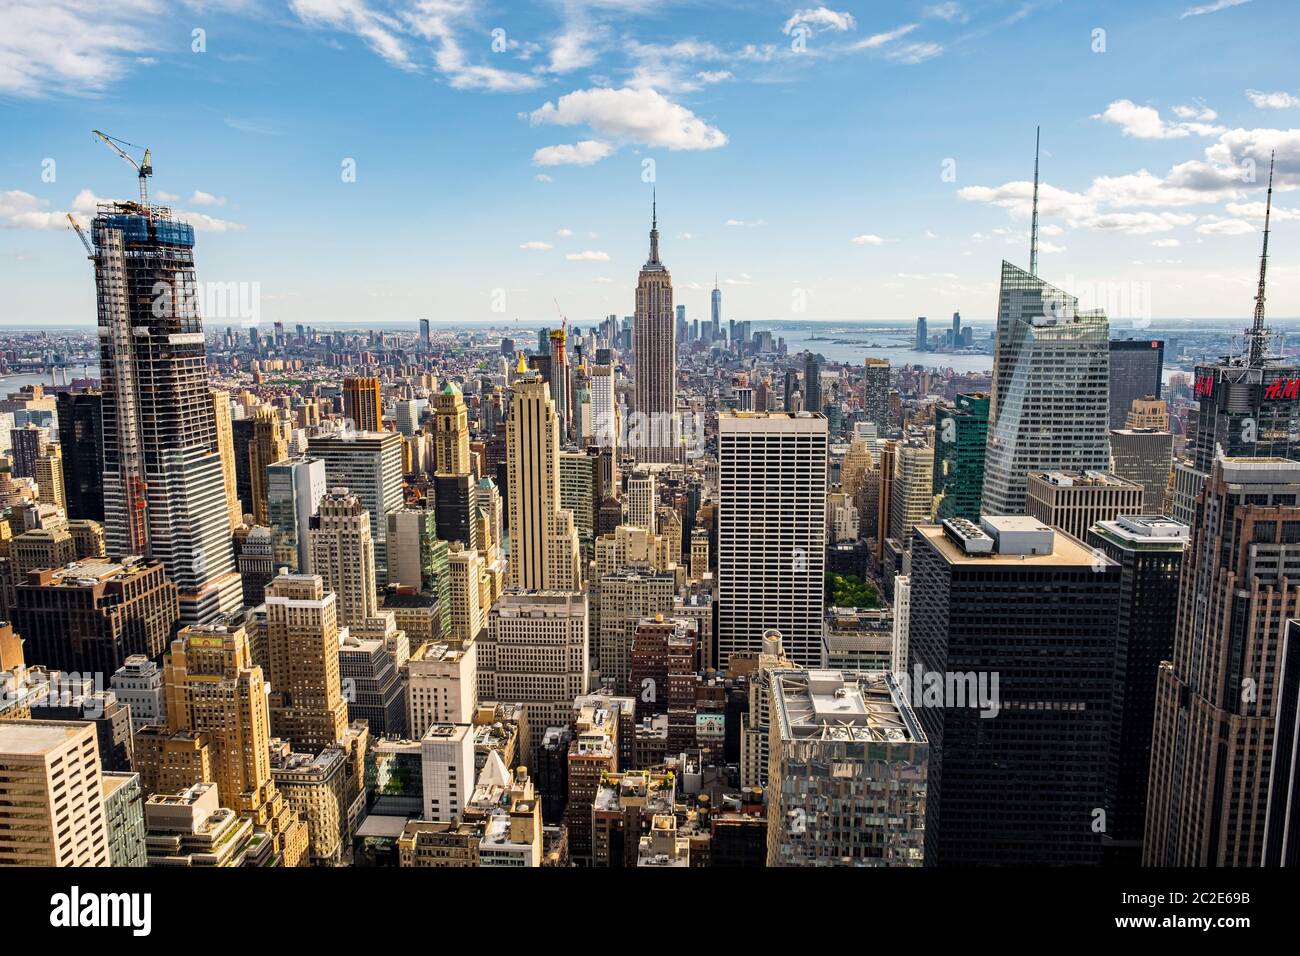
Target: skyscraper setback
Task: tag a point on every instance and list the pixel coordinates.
(653, 437)
(164, 491)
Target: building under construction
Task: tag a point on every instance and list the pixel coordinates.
(164, 494)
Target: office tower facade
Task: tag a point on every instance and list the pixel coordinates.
(960, 439)
(26, 444)
(370, 466)
(922, 334)
(302, 647)
(294, 488)
(641, 501)
(1050, 403)
(266, 447)
(543, 538)
(51, 795)
(1216, 700)
(1149, 551)
(447, 768)
(451, 432)
(442, 686)
(812, 382)
(218, 730)
(1145, 457)
(579, 495)
(412, 549)
(343, 555)
(912, 501)
(138, 684)
(226, 452)
(604, 409)
(1136, 371)
(1076, 500)
(1017, 768)
(715, 312)
(90, 616)
(80, 436)
(875, 391)
(624, 598)
(771, 532)
(49, 477)
(164, 491)
(369, 671)
(1282, 819)
(535, 653)
(456, 506)
(871, 810)
(655, 382)
(363, 404)
(468, 598)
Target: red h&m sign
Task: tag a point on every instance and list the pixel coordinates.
(1204, 385)
(1280, 388)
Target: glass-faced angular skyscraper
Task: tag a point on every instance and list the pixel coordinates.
(1050, 403)
(164, 492)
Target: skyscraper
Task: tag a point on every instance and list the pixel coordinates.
(451, 440)
(1136, 371)
(369, 465)
(715, 311)
(83, 453)
(302, 647)
(164, 492)
(266, 447)
(218, 729)
(875, 391)
(343, 555)
(543, 538)
(960, 437)
(1215, 708)
(1017, 767)
(771, 532)
(604, 414)
(295, 487)
(226, 451)
(871, 810)
(1149, 552)
(1050, 405)
(654, 435)
(812, 382)
(362, 403)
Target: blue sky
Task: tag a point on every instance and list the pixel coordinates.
(838, 162)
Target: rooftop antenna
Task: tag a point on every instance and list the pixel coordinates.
(1033, 227)
(1258, 334)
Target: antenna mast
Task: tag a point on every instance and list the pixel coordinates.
(1258, 333)
(1033, 227)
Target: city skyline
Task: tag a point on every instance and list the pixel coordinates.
(787, 193)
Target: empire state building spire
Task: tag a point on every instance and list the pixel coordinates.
(654, 230)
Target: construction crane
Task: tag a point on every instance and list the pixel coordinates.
(143, 168)
(81, 234)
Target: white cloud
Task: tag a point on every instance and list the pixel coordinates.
(713, 76)
(202, 222)
(882, 39)
(944, 11)
(543, 178)
(392, 36)
(640, 116)
(536, 244)
(912, 53)
(747, 223)
(1217, 226)
(1137, 223)
(564, 232)
(582, 153)
(1199, 112)
(70, 46)
(573, 48)
(867, 239)
(1144, 122)
(207, 199)
(588, 255)
(1166, 243)
(1279, 100)
(1213, 7)
(822, 18)
(1255, 210)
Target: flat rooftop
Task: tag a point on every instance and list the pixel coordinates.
(833, 705)
(33, 738)
(1066, 551)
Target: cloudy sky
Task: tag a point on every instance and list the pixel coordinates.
(387, 160)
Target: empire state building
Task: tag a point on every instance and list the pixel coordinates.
(652, 434)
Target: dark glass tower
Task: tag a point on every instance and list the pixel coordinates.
(81, 438)
(1136, 371)
(1021, 785)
